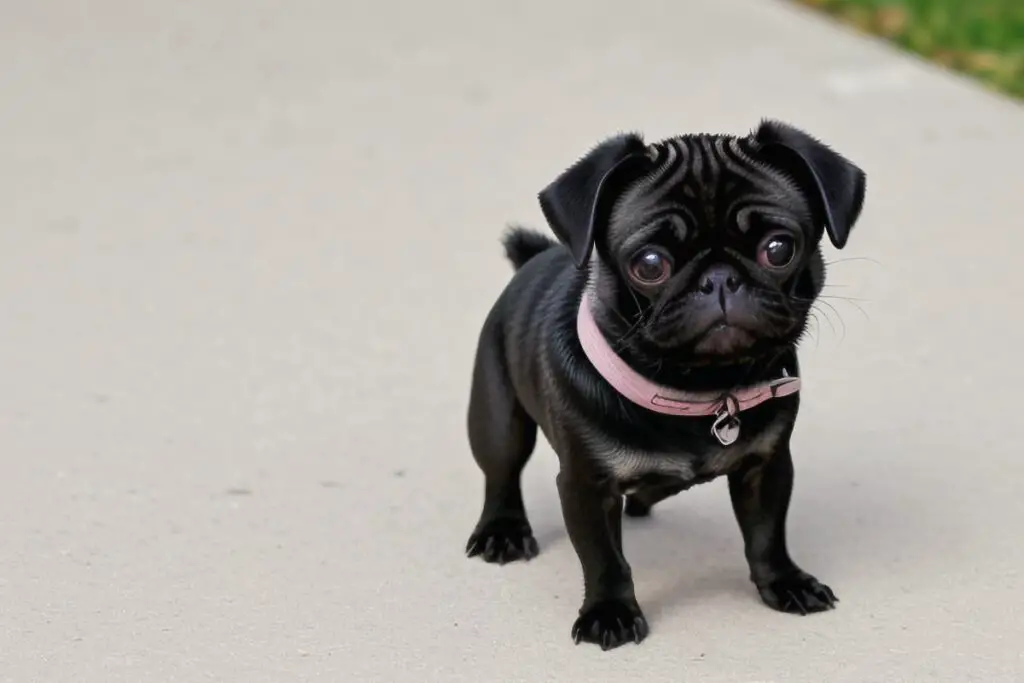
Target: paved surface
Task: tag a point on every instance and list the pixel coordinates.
(245, 248)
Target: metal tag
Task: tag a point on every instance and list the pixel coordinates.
(726, 428)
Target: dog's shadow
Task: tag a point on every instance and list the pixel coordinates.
(690, 549)
(685, 554)
(680, 554)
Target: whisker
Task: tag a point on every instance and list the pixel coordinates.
(851, 259)
(834, 310)
(861, 309)
(853, 302)
(828, 318)
(635, 300)
(619, 314)
(629, 333)
(817, 331)
(621, 341)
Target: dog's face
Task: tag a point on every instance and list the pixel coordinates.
(707, 247)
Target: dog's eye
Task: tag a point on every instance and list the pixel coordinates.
(777, 250)
(651, 266)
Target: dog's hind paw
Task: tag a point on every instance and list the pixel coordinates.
(503, 540)
(610, 623)
(799, 594)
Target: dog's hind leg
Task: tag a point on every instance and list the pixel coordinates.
(502, 437)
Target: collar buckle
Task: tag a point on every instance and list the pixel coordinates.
(726, 427)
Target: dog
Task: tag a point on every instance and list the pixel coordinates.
(654, 344)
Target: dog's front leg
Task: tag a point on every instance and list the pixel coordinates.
(610, 615)
(760, 496)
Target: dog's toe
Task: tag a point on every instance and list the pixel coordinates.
(610, 623)
(800, 594)
(503, 540)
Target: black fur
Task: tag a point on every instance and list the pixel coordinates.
(522, 244)
(715, 207)
(839, 185)
(578, 216)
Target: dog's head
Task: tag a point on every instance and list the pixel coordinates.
(705, 248)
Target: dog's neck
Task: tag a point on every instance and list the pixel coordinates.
(724, 405)
(688, 373)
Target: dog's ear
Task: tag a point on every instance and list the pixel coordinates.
(579, 201)
(833, 182)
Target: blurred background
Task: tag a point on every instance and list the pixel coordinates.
(246, 247)
(983, 38)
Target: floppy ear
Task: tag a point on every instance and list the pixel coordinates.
(832, 181)
(579, 201)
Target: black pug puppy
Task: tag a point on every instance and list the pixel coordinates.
(656, 349)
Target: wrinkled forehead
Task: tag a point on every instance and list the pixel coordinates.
(717, 184)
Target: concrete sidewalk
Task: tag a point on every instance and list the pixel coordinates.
(245, 250)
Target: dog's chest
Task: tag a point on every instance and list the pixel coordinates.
(634, 468)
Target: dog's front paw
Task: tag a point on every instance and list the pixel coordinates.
(610, 623)
(798, 594)
(503, 540)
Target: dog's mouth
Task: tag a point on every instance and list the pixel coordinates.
(724, 339)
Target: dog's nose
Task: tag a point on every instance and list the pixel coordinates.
(720, 278)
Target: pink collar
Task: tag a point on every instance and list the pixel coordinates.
(668, 401)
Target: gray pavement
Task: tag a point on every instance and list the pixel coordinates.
(245, 249)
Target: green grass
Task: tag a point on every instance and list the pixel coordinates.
(983, 38)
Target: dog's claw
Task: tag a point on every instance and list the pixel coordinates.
(610, 623)
(639, 629)
(503, 540)
(794, 604)
(800, 594)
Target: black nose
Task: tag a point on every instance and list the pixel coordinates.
(718, 279)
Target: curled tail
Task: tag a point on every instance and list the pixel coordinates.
(522, 244)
